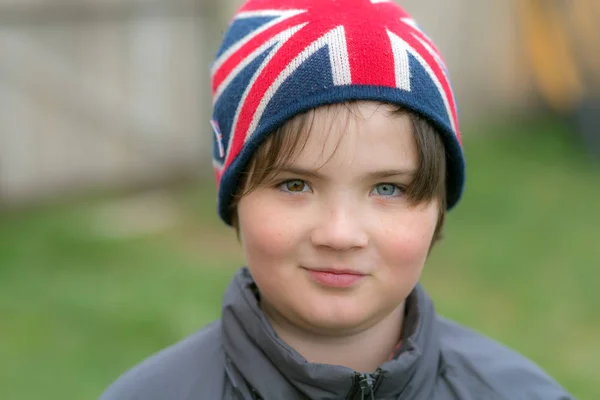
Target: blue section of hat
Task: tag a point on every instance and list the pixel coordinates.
(428, 99)
(226, 106)
(313, 76)
(239, 29)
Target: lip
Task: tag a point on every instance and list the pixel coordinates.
(335, 278)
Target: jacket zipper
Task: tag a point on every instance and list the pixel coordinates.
(365, 386)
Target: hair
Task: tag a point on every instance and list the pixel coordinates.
(281, 147)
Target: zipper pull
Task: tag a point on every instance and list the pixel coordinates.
(366, 383)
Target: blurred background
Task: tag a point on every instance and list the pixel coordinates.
(110, 247)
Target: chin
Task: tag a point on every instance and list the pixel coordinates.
(336, 316)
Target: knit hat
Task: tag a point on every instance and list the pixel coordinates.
(280, 58)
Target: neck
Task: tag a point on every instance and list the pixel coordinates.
(363, 351)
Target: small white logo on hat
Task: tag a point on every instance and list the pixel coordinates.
(218, 136)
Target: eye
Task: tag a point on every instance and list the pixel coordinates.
(386, 190)
(294, 186)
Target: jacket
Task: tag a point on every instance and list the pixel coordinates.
(241, 357)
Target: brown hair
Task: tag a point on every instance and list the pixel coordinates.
(281, 147)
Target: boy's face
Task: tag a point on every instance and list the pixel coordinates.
(333, 244)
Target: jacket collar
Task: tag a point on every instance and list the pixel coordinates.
(276, 371)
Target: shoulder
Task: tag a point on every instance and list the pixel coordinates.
(491, 369)
(181, 371)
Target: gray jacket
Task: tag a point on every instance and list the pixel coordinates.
(241, 357)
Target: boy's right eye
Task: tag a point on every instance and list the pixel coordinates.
(294, 186)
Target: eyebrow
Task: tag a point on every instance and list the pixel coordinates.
(387, 173)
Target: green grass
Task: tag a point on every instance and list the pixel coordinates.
(80, 301)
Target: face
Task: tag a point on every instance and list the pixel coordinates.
(332, 243)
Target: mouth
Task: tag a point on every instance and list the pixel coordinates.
(337, 271)
(334, 277)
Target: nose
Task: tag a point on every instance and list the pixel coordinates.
(341, 228)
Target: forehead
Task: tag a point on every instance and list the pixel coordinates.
(361, 134)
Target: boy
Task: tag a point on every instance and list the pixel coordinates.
(337, 154)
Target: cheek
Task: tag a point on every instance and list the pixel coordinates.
(405, 241)
(270, 238)
(266, 233)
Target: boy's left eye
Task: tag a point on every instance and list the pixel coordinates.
(386, 190)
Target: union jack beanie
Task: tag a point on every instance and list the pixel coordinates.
(280, 58)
